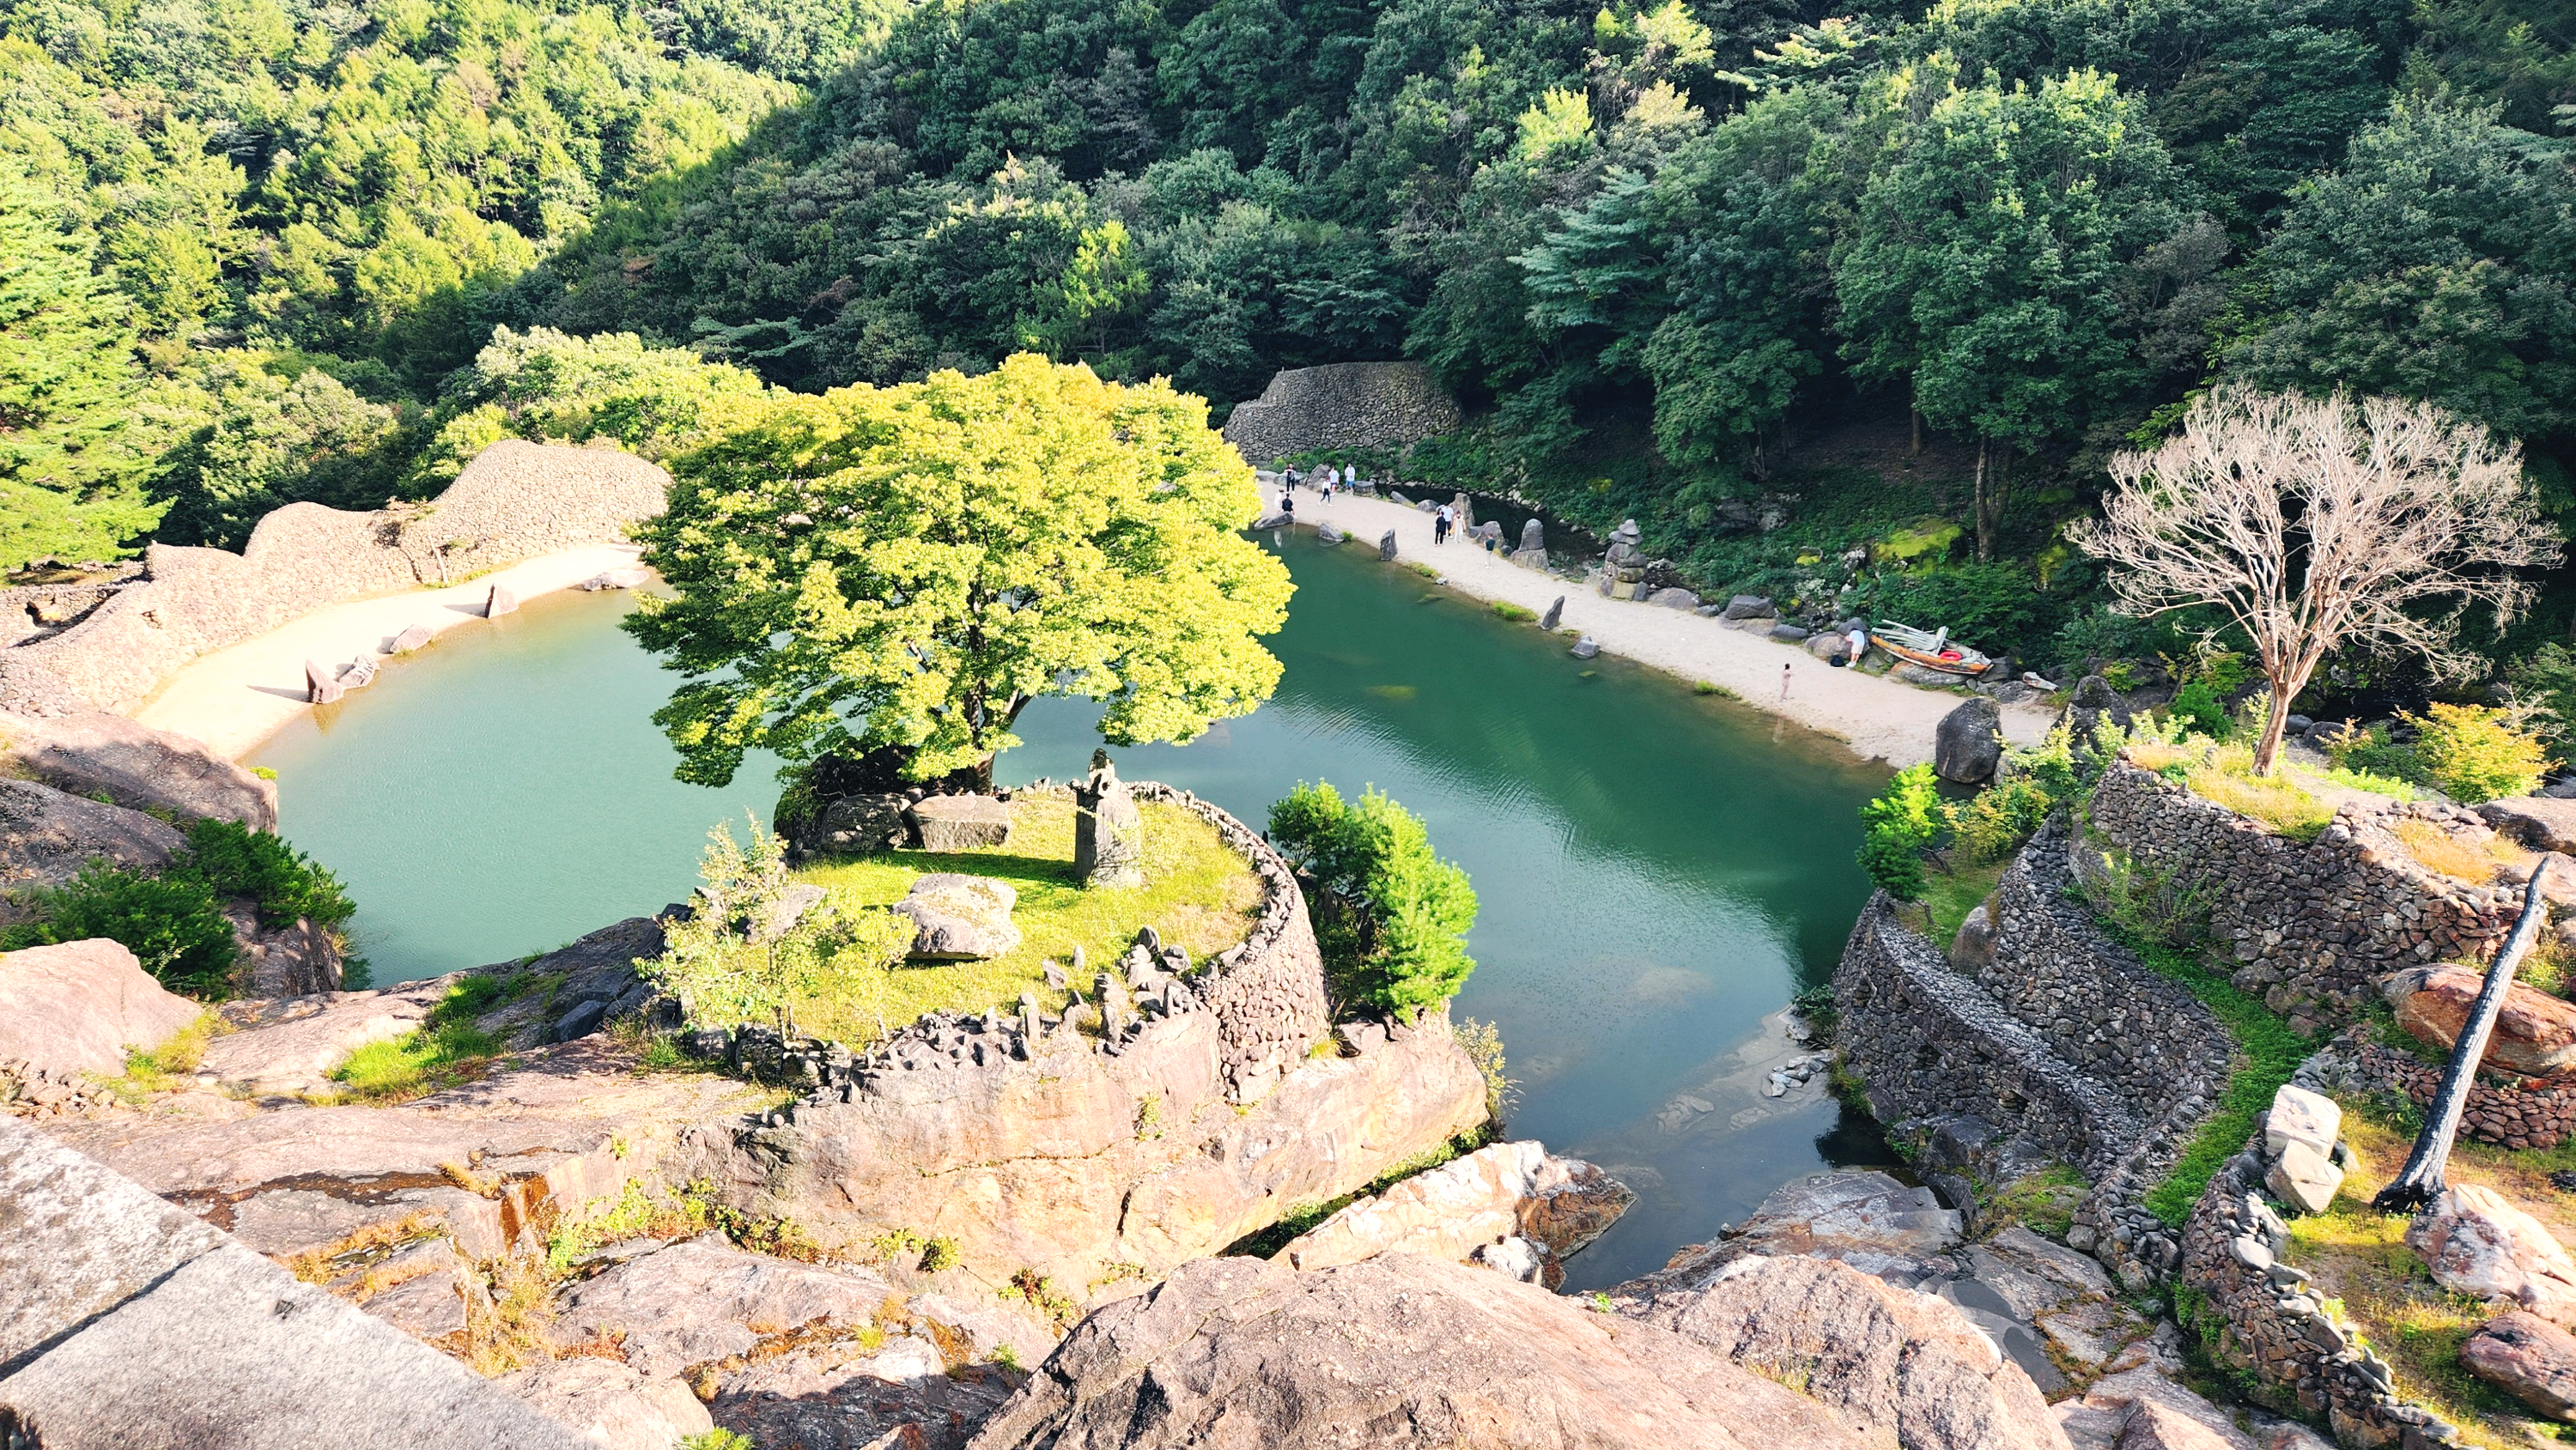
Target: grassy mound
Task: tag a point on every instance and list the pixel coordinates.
(1197, 894)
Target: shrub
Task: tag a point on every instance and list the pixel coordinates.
(236, 861)
(1988, 826)
(1483, 1042)
(1397, 937)
(2372, 753)
(1896, 828)
(1513, 612)
(2477, 753)
(725, 967)
(172, 923)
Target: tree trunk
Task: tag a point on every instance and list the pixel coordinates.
(2267, 751)
(2420, 1182)
(1914, 433)
(1985, 528)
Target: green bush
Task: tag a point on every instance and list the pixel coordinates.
(1897, 828)
(1989, 825)
(172, 923)
(235, 861)
(2477, 753)
(1395, 937)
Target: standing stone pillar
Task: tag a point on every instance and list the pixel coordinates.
(1108, 830)
(1623, 574)
(1532, 554)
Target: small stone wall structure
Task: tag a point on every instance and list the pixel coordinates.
(2313, 926)
(1100, 1142)
(517, 500)
(2511, 1114)
(1340, 405)
(2260, 1317)
(2064, 1040)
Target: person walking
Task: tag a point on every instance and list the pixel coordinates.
(1784, 682)
(1440, 523)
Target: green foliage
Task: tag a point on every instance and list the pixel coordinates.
(1483, 1042)
(172, 924)
(235, 861)
(1990, 824)
(1397, 939)
(909, 567)
(727, 963)
(718, 1438)
(446, 1049)
(2477, 753)
(1896, 829)
(2270, 1053)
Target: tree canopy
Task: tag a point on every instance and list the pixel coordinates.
(910, 566)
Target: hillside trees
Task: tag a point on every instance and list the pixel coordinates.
(909, 567)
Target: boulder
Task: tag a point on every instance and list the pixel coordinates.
(1750, 606)
(1973, 949)
(290, 1045)
(1789, 633)
(2473, 1241)
(1586, 648)
(877, 821)
(1969, 742)
(2094, 701)
(2535, 1033)
(2304, 1178)
(960, 918)
(322, 684)
(1555, 612)
(1386, 548)
(1396, 1352)
(704, 1299)
(294, 960)
(1825, 646)
(1325, 533)
(416, 637)
(2301, 1116)
(949, 823)
(2152, 1426)
(1673, 599)
(2539, 822)
(628, 578)
(835, 1397)
(1866, 1218)
(1894, 1365)
(77, 1007)
(1506, 1191)
(502, 600)
(611, 1403)
(135, 766)
(47, 835)
(2528, 1358)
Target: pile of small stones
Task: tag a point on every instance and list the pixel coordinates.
(29, 1091)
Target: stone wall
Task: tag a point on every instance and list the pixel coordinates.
(2517, 1113)
(2259, 1317)
(2312, 926)
(1341, 405)
(2064, 1040)
(516, 501)
(1099, 1142)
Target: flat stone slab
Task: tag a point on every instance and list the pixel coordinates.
(961, 822)
(290, 1044)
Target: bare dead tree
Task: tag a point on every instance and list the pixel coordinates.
(2421, 1180)
(2321, 522)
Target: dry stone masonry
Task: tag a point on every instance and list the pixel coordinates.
(1340, 405)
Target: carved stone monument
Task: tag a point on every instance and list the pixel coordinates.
(1108, 830)
(1623, 573)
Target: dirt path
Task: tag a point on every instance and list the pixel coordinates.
(1880, 718)
(234, 698)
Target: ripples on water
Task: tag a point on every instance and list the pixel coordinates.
(1657, 871)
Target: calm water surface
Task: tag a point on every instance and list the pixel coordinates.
(1658, 871)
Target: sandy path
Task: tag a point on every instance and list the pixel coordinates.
(239, 696)
(1880, 718)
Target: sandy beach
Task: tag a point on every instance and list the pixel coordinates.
(1881, 718)
(236, 697)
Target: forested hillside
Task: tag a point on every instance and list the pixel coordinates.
(253, 250)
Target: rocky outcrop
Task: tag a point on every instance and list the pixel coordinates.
(1393, 1352)
(129, 1324)
(1072, 1160)
(80, 1006)
(2535, 1033)
(1509, 1191)
(47, 836)
(2539, 822)
(517, 500)
(610, 1404)
(135, 766)
(1969, 742)
(1340, 405)
(959, 918)
(2475, 1241)
(289, 1045)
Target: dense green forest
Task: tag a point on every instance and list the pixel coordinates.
(275, 249)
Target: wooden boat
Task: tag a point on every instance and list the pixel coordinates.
(1932, 651)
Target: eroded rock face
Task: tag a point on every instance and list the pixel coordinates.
(1969, 742)
(291, 1044)
(2535, 1033)
(135, 766)
(1393, 1352)
(1891, 1363)
(2539, 822)
(695, 1302)
(2529, 1358)
(1509, 1191)
(1042, 1163)
(612, 1404)
(2474, 1241)
(47, 835)
(77, 1007)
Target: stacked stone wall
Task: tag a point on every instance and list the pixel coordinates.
(2313, 926)
(1341, 405)
(2510, 1114)
(516, 501)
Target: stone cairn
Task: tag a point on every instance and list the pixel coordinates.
(1108, 830)
(1532, 554)
(1623, 573)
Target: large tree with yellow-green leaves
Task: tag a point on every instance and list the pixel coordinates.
(910, 566)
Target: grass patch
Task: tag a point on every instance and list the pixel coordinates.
(2271, 1053)
(1513, 612)
(2044, 1201)
(2274, 801)
(2439, 851)
(1197, 894)
(1425, 570)
(169, 1068)
(2354, 778)
(1948, 897)
(446, 1049)
(1712, 687)
(1303, 1216)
